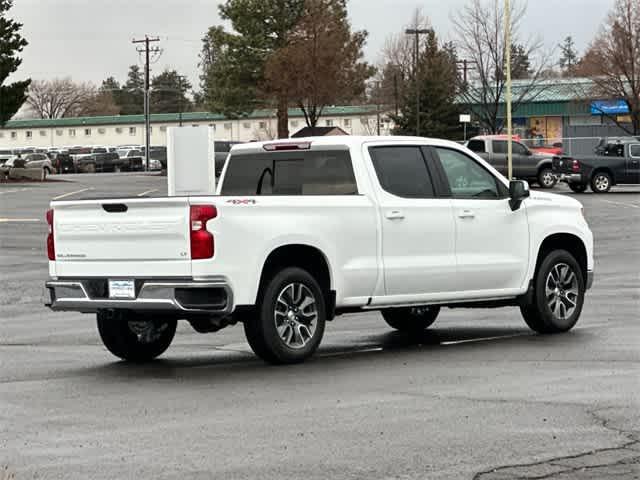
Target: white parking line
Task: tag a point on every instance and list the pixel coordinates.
(19, 220)
(484, 339)
(632, 205)
(147, 192)
(14, 190)
(64, 195)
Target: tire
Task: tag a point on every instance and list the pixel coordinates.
(116, 169)
(284, 330)
(90, 168)
(118, 333)
(559, 289)
(546, 178)
(411, 319)
(43, 176)
(601, 182)
(578, 187)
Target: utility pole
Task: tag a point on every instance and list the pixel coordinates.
(507, 46)
(417, 32)
(147, 127)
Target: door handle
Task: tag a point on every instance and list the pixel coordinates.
(394, 215)
(466, 214)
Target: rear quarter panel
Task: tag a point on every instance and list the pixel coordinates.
(248, 229)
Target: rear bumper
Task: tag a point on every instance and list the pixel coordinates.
(81, 295)
(570, 177)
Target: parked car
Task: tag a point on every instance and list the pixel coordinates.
(39, 160)
(156, 153)
(5, 155)
(616, 161)
(303, 230)
(527, 165)
(108, 162)
(62, 161)
(222, 149)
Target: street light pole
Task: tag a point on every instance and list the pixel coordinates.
(417, 32)
(507, 46)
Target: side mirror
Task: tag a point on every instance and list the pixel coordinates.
(518, 191)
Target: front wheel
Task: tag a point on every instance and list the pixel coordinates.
(578, 187)
(412, 319)
(135, 338)
(546, 178)
(601, 182)
(559, 289)
(290, 318)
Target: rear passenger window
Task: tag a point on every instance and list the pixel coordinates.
(402, 171)
(499, 146)
(290, 173)
(634, 150)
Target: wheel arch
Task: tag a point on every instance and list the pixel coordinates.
(304, 256)
(606, 170)
(564, 241)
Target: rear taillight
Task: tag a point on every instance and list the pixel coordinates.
(575, 166)
(201, 239)
(51, 248)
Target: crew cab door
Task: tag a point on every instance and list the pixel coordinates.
(418, 231)
(633, 163)
(492, 242)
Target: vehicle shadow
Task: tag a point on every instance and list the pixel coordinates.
(222, 365)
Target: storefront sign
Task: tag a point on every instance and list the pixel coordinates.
(609, 107)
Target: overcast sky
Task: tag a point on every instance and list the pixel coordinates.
(91, 39)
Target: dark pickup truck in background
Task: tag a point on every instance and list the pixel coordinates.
(527, 165)
(101, 160)
(616, 161)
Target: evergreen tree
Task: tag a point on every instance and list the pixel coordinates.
(568, 56)
(168, 93)
(233, 64)
(12, 95)
(132, 99)
(520, 64)
(439, 114)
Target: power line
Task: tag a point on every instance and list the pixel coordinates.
(147, 50)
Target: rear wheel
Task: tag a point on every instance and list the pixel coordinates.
(559, 289)
(578, 187)
(601, 182)
(412, 319)
(290, 318)
(546, 178)
(133, 337)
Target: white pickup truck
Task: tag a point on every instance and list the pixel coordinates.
(302, 231)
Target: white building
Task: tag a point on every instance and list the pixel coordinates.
(129, 129)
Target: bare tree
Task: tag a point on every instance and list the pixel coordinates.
(613, 61)
(59, 98)
(322, 63)
(481, 41)
(396, 69)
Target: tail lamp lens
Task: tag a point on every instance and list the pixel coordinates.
(201, 239)
(51, 249)
(575, 166)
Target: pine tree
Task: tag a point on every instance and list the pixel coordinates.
(568, 56)
(439, 114)
(12, 95)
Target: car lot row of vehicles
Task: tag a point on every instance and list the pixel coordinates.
(83, 159)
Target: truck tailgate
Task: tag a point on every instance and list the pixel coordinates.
(122, 237)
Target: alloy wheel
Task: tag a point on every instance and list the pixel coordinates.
(296, 315)
(561, 290)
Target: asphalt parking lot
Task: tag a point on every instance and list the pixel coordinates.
(478, 396)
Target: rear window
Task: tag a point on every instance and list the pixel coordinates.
(290, 173)
(476, 146)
